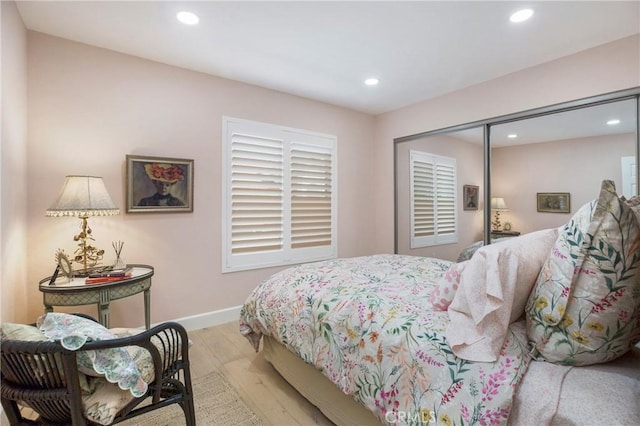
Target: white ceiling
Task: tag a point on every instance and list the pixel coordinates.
(324, 50)
(580, 123)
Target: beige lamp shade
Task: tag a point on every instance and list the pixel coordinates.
(83, 196)
(498, 204)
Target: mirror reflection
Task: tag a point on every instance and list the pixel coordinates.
(542, 170)
(420, 172)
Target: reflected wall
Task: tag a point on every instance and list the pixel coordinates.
(467, 148)
(567, 148)
(563, 153)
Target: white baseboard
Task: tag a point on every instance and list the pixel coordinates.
(210, 319)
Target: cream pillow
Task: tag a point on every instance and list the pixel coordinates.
(30, 333)
(585, 307)
(493, 291)
(23, 332)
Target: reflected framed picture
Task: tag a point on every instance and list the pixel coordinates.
(470, 197)
(554, 202)
(159, 184)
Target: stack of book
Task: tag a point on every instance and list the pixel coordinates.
(109, 276)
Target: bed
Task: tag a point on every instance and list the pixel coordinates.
(397, 339)
(468, 251)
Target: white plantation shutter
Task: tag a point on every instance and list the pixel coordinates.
(423, 219)
(279, 197)
(311, 195)
(256, 194)
(433, 199)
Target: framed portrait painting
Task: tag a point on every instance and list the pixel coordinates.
(159, 184)
(554, 202)
(470, 197)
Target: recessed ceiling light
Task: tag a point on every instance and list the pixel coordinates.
(512, 136)
(521, 15)
(188, 18)
(613, 122)
(371, 81)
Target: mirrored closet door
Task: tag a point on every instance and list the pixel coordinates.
(547, 167)
(529, 171)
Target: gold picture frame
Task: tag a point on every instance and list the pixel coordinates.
(63, 267)
(159, 184)
(553, 202)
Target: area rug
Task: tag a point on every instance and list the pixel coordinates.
(216, 402)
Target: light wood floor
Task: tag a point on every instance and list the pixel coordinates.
(222, 348)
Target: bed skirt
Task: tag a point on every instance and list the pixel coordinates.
(607, 393)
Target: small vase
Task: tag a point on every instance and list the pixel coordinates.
(119, 263)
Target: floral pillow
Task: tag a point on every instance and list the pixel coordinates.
(115, 364)
(443, 292)
(634, 203)
(108, 400)
(585, 306)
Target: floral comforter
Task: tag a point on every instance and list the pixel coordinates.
(367, 324)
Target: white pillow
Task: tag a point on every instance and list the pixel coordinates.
(493, 291)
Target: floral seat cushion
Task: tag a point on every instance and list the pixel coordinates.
(585, 306)
(106, 400)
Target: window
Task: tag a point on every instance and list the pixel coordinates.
(279, 196)
(433, 199)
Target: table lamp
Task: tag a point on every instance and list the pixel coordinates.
(498, 205)
(84, 196)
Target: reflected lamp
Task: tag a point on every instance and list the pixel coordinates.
(82, 197)
(498, 205)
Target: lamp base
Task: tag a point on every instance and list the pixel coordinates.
(86, 254)
(496, 225)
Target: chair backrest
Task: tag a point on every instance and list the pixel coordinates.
(43, 375)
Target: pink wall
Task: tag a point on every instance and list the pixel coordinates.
(89, 107)
(577, 166)
(607, 68)
(13, 160)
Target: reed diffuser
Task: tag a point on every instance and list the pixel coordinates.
(119, 263)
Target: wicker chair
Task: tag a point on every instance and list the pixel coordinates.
(44, 376)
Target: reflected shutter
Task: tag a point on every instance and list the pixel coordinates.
(433, 199)
(445, 200)
(423, 199)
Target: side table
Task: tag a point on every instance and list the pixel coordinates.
(75, 292)
(502, 234)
